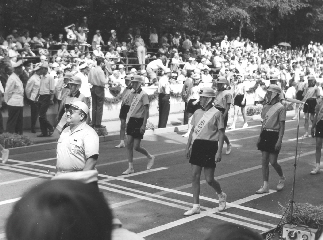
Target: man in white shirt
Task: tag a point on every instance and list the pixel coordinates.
(97, 40)
(163, 98)
(153, 67)
(38, 40)
(97, 52)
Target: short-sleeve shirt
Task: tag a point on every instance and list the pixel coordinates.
(222, 99)
(211, 130)
(273, 122)
(140, 108)
(318, 109)
(47, 85)
(74, 148)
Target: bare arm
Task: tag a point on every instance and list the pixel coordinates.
(146, 116)
(218, 155)
(90, 163)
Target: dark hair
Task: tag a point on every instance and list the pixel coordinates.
(230, 231)
(99, 60)
(60, 210)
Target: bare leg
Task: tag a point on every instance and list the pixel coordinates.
(306, 124)
(318, 153)
(209, 177)
(122, 129)
(138, 148)
(244, 115)
(196, 175)
(130, 143)
(226, 139)
(273, 161)
(265, 167)
(235, 117)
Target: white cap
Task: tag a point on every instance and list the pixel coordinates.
(133, 70)
(55, 65)
(42, 57)
(81, 106)
(121, 66)
(82, 66)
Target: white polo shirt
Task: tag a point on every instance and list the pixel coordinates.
(74, 148)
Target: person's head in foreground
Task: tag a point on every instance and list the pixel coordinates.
(230, 231)
(60, 210)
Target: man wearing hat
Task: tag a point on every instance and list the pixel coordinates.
(78, 147)
(136, 123)
(311, 94)
(14, 97)
(204, 147)
(46, 96)
(32, 93)
(74, 85)
(163, 98)
(271, 136)
(125, 106)
(98, 80)
(85, 88)
(223, 102)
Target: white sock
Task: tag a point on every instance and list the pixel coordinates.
(317, 165)
(131, 165)
(265, 184)
(196, 205)
(122, 142)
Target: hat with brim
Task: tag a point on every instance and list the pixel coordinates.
(128, 78)
(84, 65)
(311, 78)
(191, 59)
(80, 105)
(274, 88)
(195, 76)
(222, 80)
(17, 64)
(75, 80)
(137, 78)
(207, 92)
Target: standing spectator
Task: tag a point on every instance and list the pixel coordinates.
(46, 96)
(176, 40)
(71, 35)
(97, 40)
(141, 51)
(14, 97)
(98, 80)
(129, 36)
(153, 38)
(60, 39)
(81, 38)
(84, 24)
(153, 67)
(32, 93)
(187, 44)
(25, 73)
(63, 51)
(113, 40)
(163, 98)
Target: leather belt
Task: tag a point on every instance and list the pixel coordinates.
(63, 170)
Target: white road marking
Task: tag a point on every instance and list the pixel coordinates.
(9, 201)
(18, 180)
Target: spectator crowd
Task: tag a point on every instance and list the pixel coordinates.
(39, 71)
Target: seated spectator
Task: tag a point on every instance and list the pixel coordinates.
(230, 231)
(8, 42)
(60, 210)
(60, 39)
(39, 41)
(97, 52)
(122, 71)
(63, 51)
(113, 40)
(24, 38)
(27, 51)
(50, 40)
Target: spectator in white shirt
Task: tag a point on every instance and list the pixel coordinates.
(153, 38)
(97, 40)
(39, 41)
(71, 35)
(97, 52)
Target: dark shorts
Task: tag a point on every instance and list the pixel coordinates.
(203, 153)
(268, 140)
(192, 108)
(133, 127)
(222, 110)
(299, 95)
(319, 129)
(309, 106)
(238, 101)
(124, 111)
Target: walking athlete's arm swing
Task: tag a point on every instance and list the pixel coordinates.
(218, 155)
(146, 116)
(281, 135)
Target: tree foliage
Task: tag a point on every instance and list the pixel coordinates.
(265, 21)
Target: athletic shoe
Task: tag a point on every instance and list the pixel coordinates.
(229, 149)
(313, 172)
(151, 162)
(245, 125)
(305, 135)
(128, 171)
(222, 201)
(5, 155)
(194, 210)
(263, 190)
(121, 145)
(232, 127)
(281, 184)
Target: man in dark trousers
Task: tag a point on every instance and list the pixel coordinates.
(46, 96)
(163, 98)
(98, 80)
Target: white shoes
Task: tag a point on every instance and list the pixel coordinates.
(194, 210)
(5, 155)
(263, 190)
(315, 171)
(306, 135)
(186, 135)
(229, 149)
(222, 201)
(128, 171)
(151, 162)
(120, 145)
(245, 125)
